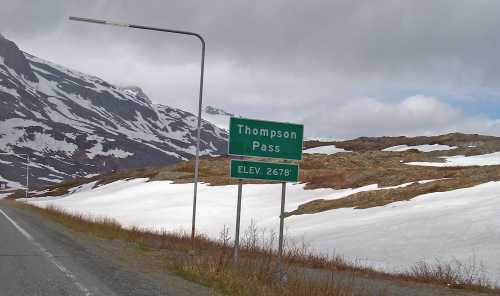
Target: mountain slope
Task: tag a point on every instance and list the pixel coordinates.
(218, 116)
(73, 124)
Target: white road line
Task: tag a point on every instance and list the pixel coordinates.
(49, 255)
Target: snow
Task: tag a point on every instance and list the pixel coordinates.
(10, 91)
(162, 204)
(462, 224)
(53, 180)
(57, 109)
(71, 136)
(11, 184)
(423, 148)
(62, 114)
(329, 149)
(4, 195)
(324, 139)
(431, 180)
(45, 86)
(45, 143)
(461, 160)
(12, 130)
(220, 120)
(165, 151)
(18, 113)
(83, 188)
(34, 164)
(98, 150)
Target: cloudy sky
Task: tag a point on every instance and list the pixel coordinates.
(343, 68)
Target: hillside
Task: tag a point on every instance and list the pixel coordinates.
(74, 125)
(342, 169)
(433, 191)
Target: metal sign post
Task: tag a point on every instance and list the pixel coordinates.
(267, 139)
(27, 175)
(282, 225)
(238, 216)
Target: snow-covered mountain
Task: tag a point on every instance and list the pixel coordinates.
(73, 124)
(217, 116)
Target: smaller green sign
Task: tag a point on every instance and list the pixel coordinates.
(243, 169)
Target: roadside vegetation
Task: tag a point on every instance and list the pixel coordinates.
(256, 272)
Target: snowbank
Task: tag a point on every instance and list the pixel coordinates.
(461, 224)
(461, 160)
(220, 120)
(4, 195)
(12, 184)
(423, 148)
(329, 149)
(164, 205)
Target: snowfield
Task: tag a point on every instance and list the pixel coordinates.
(461, 160)
(329, 149)
(423, 148)
(4, 195)
(220, 120)
(462, 224)
(12, 184)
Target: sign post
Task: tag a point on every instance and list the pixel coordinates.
(282, 226)
(238, 216)
(27, 175)
(264, 139)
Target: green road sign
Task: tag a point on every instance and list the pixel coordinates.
(243, 169)
(249, 137)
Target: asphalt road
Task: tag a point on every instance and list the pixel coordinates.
(39, 257)
(28, 268)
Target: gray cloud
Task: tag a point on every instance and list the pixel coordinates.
(286, 60)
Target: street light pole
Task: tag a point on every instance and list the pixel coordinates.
(200, 100)
(27, 175)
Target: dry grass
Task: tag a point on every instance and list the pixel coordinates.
(353, 170)
(454, 274)
(255, 274)
(483, 144)
(212, 265)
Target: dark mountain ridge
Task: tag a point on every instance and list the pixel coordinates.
(73, 124)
